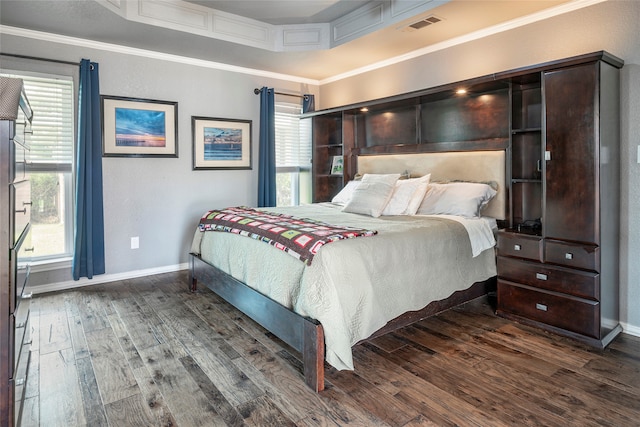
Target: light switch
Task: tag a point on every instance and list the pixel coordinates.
(638, 153)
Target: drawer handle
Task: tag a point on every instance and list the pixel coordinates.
(24, 211)
(568, 256)
(31, 249)
(20, 325)
(516, 247)
(541, 276)
(27, 296)
(27, 203)
(541, 307)
(19, 382)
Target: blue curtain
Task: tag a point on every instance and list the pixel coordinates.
(267, 154)
(88, 251)
(308, 103)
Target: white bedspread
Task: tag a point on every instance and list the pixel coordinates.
(480, 231)
(355, 286)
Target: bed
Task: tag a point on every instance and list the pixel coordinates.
(354, 289)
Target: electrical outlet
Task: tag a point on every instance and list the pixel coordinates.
(135, 242)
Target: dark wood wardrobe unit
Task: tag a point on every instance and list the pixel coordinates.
(559, 124)
(561, 271)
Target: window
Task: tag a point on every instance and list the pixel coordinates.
(293, 155)
(50, 163)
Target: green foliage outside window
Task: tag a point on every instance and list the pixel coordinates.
(45, 195)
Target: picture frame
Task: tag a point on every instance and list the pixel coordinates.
(134, 127)
(221, 143)
(337, 165)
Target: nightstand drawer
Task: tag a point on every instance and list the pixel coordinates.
(586, 257)
(22, 130)
(20, 205)
(18, 165)
(22, 373)
(575, 282)
(22, 337)
(520, 245)
(568, 313)
(19, 264)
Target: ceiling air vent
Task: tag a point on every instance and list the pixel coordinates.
(429, 20)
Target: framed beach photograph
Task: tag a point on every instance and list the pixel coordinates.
(221, 143)
(139, 127)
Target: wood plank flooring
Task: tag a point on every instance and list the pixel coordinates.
(145, 352)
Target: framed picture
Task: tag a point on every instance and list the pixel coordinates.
(221, 143)
(336, 165)
(139, 127)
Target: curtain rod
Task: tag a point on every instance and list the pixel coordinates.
(305, 97)
(40, 59)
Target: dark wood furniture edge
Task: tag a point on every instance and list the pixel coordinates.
(592, 342)
(304, 334)
(476, 290)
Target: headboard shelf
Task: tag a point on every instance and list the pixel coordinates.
(432, 147)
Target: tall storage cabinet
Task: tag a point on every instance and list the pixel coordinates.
(15, 249)
(328, 142)
(562, 273)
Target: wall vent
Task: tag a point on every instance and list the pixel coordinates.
(425, 22)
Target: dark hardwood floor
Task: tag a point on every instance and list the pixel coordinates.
(146, 352)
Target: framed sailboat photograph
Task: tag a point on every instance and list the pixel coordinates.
(221, 143)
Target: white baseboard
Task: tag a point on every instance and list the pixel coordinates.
(630, 329)
(106, 278)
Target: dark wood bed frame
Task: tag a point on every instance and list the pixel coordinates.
(304, 334)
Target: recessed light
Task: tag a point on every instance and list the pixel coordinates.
(461, 91)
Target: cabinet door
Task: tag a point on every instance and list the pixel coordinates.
(571, 201)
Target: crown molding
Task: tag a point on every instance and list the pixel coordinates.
(109, 47)
(204, 21)
(515, 23)
(476, 35)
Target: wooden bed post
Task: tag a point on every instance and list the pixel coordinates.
(313, 355)
(193, 282)
(302, 333)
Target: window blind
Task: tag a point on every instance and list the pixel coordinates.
(52, 102)
(293, 137)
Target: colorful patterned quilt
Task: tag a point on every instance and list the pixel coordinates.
(301, 238)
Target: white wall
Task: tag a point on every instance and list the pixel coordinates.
(630, 197)
(160, 200)
(613, 26)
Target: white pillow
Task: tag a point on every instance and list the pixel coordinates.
(407, 196)
(343, 197)
(456, 198)
(372, 195)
